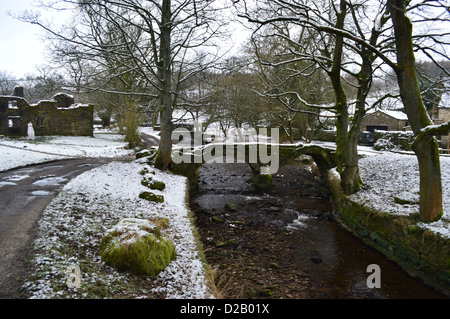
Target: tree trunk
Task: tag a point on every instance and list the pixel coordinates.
(165, 146)
(427, 149)
(341, 98)
(350, 179)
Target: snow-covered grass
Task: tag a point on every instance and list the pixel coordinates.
(17, 152)
(387, 174)
(73, 224)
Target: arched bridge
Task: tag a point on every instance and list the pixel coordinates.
(264, 159)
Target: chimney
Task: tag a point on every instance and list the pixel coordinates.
(18, 91)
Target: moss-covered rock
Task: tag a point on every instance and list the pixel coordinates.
(137, 246)
(263, 181)
(230, 207)
(149, 182)
(152, 197)
(143, 153)
(147, 155)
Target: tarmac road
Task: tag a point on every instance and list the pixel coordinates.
(24, 193)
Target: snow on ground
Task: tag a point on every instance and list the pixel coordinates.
(19, 152)
(73, 224)
(387, 174)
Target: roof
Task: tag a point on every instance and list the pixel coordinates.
(445, 100)
(398, 115)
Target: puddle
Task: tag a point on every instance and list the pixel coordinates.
(86, 165)
(50, 181)
(16, 178)
(6, 184)
(41, 193)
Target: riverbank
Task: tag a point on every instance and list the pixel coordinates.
(73, 224)
(384, 214)
(284, 243)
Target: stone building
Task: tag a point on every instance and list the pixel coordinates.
(443, 116)
(59, 116)
(394, 120)
(385, 120)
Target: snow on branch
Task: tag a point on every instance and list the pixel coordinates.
(431, 130)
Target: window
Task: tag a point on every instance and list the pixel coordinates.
(12, 104)
(13, 121)
(40, 122)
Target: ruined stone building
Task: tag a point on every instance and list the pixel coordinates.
(59, 116)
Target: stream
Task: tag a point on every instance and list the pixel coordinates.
(284, 243)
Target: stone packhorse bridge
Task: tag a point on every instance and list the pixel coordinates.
(264, 159)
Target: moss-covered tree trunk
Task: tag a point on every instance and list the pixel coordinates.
(346, 152)
(351, 180)
(165, 146)
(426, 149)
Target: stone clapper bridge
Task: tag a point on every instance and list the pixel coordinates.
(264, 159)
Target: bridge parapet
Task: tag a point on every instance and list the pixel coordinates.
(264, 159)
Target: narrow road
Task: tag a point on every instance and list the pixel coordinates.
(24, 193)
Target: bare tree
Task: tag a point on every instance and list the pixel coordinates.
(153, 40)
(7, 83)
(396, 50)
(425, 144)
(325, 35)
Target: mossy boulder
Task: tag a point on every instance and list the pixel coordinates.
(152, 197)
(149, 182)
(263, 181)
(147, 155)
(143, 153)
(138, 246)
(231, 207)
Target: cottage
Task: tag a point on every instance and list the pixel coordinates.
(443, 116)
(59, 116)
(385, 120)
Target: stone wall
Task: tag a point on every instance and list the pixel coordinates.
(444, 116)
(393, 140)
(420, 252)
(10, 110)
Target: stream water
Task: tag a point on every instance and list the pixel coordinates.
(283, 243)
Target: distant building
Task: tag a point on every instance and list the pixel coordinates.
(385, 120)
(395, 120)
(59, 116)
(443, 116)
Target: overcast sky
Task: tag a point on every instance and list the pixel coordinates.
(22, 48)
